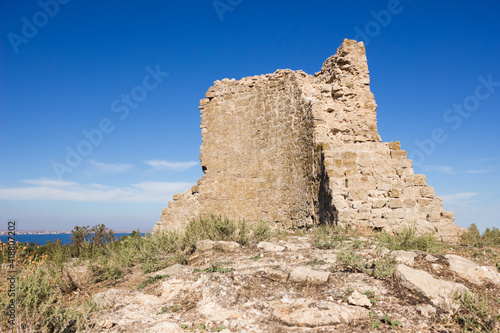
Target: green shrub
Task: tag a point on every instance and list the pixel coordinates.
(151, 279)
(408, 239)
(331, 236)
(262, 231)
(475, 312)
(215, 268)
(105, 270)
(218, 228)
(384, 266)
(472, 237)
(387, 320)
(39, 303)
(351, 260)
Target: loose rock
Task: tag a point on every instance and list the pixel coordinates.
(472, 272)
(307, 275)
(438, 291)
(356, 298)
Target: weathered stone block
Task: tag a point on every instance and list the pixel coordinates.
(395, 203)
(409, 203)
(424, 202)
(398, 154)
(394, 145)
(448, 215)
(307, 275)
(358, 194)
(378, 203)
(394, 193)
(434, 216)
(428, 192)
(420, 180)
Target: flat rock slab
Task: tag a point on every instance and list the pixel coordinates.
(405, 257)
(473, 272)
(270, 247)
(297, 246)
(129, 311)
(426, 310)
(430, 258)
(273, 274)
(113, 298)
(440, 292)
(307, 275)
(311, 313)
(174, 270)
(166, 328)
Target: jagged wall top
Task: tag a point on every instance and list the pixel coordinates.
(346, 110)
(350, 59)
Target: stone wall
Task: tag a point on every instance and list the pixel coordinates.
(299, 150)
(256, 151)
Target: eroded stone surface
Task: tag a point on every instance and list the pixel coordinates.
(473, 272)
(405, 257)
(440, 292)
(309, 313)
(307, 275)
(171, 271)
(270, 247)
(426, 310)
(256, 294)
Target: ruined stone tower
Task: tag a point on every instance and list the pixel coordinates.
(299, 150)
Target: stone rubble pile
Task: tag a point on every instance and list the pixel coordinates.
(299, 290)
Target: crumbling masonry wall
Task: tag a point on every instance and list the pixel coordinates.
(257, 139)
(299, 150)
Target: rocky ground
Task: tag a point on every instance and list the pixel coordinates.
(290, 285)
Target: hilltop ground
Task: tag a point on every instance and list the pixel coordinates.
(326, 280)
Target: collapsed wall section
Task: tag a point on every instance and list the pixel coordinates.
(372, 183)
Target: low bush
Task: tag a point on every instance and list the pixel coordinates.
(39, 303)
(44, 282)
(331, 236)
(472, 237)
(408, 238)
(475, 314)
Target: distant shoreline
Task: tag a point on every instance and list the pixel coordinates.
(57, 232)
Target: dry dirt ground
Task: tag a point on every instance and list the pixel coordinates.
(288, 285)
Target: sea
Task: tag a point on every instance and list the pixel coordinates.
(42, 239)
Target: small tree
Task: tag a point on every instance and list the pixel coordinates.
(102, 235)
(86, 239)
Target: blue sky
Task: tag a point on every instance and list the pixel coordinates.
(115, 85)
